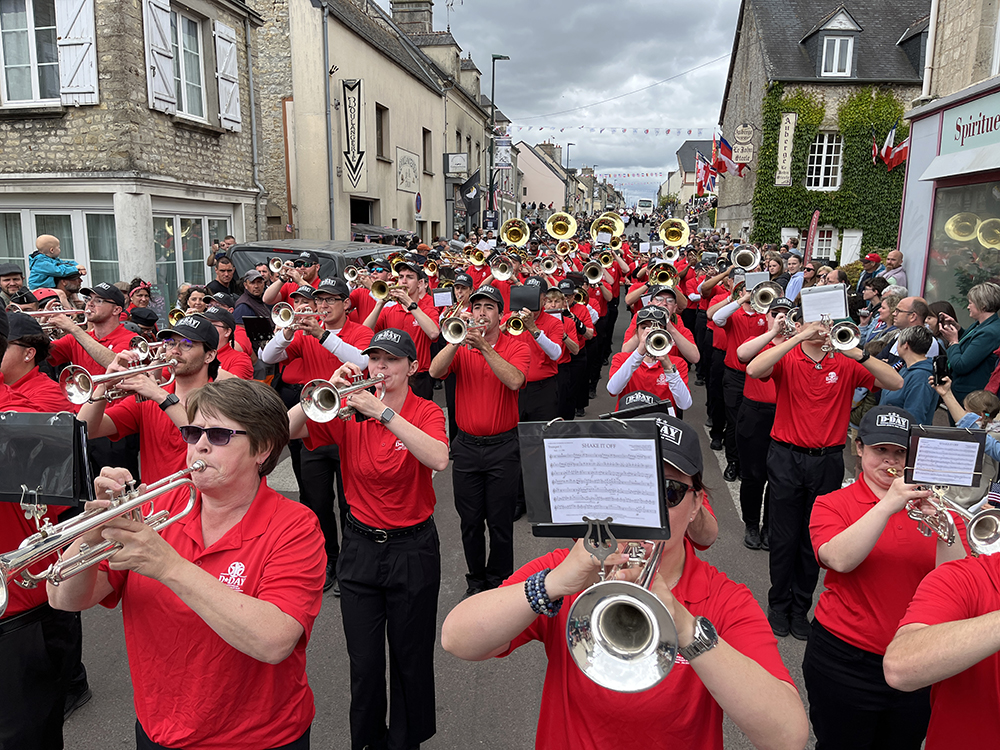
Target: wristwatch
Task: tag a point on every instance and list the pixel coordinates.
(412, 306)
(386, 416)
(864, 357)
(169, 401)
(536, 334)
(705, 639)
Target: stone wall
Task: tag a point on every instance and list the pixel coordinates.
(963, 52)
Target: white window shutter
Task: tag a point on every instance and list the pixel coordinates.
(77, 51)
(227, 74)
(159, 56)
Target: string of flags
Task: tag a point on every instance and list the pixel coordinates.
(606, 130)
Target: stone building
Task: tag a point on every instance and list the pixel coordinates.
(806, 85)
(127, 131)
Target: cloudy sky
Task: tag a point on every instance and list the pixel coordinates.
(568, 54)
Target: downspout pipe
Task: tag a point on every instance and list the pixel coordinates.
(329, 117)
(929, 52)
(254, 155)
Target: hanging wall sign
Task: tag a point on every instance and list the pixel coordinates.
(353, 137)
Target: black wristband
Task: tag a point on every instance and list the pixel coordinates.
(169, 401)
(324, 337)
(865, 356)
(412, 306)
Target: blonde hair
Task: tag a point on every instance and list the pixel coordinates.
(983, 403)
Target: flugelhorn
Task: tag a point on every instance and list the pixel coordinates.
(321, 399)
(52, 538)
(763, 295)
(380, 290)
(674, 232)
(283, 315)
(962, 227)
(79, 385)
(514, 232)
(658, 341)
(560, 226)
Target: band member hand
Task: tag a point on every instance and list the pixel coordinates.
(900, 493)
(143, 550)
(777, 324)
(310, 326)
(529, 320)
(399, 295)
(474, 338)
(578, 571)
(814, 331)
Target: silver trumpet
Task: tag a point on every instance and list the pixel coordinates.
(454, 329)
(145, 349)
(746, 257)
(982, 528)
(79, 385)
(322, 401)
(658, 341)
(51, 538)
(283, 315)
(845, 335)
(619, 633)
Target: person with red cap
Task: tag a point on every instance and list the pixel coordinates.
(872, 265)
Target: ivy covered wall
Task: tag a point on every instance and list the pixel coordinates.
(869, 197)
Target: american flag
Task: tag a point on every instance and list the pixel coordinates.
(993, 496)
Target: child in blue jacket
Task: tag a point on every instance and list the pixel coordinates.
(44, 266)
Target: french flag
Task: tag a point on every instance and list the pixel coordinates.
(887, 146)
(725, 164)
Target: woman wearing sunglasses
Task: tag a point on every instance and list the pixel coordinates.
(218, 606)
(729, 663)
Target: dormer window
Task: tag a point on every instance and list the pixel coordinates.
(837, 54)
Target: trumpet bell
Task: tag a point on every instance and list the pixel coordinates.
(674, 232)
(671, 254)
(845, 336)
(548, 266)
(593, 272)
(77, 384)
(560, 226)
(380, 290)
(988, 233)
(746, 257)
(659, 342)
(175, 316)
(606, 259)
(515, 232)
(502, 271)
(763, 295)
(274, 265)
(320, 402)
(351, 274)
(515, 326)
(962, 227)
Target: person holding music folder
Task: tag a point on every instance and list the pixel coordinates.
(814, 384)
(875, 557)
(490, 367)
(729, 661)
(390, 563)
(218, 606)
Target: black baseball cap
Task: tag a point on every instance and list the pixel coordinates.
(378, 264)
(221, 315)
(679, 444)
(107, 291)
(537, 281)
(9, 269)
(567, 287)
(195, 328)
(224, 298)
(22, 325)
(304, 291)
(489, 292)
(637, 398)
(410, 265)
(651, 313)
(395, 341)
(463, 279)
(334, 286)
(144, 317)
(308, 257)
(886, 425)
(782, 303)
(655, 290)
(24, 296)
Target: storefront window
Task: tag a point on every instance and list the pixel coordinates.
(965, 243)
(102, 240)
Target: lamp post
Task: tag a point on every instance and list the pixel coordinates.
(493, 124)
(567, 196)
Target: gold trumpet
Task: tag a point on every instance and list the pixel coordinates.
(50, 539)
(431, 268)
(175, 316)
(560, 226)
(514, 232)
(988, 233)
(321, 399)
(962, 227)
(515, 325)
(477, 258)
(79, 385)
(380, 290)
(283, 315)
(674, 232)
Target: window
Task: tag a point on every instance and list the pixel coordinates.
(102, 241)
(825, 248)
(458, 141)
(28, 49)
(837, 55)
(823, 171)
(61, 226)
(381, 131)
(11, 244)
(185, 41)
(195, 233)
(428, 151)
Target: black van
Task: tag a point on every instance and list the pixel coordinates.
(334, 255)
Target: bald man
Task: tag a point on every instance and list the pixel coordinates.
(44, 264)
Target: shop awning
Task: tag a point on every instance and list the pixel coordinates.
(981, 159)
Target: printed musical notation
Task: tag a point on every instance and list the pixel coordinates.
(946, 462)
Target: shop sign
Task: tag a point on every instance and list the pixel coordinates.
(783, 174)
(971, 125)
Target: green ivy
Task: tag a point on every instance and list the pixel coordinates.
(870, 197)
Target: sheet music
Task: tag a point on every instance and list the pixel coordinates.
(603, 238)
(946, 462)
(824, 300)
(598, 478)
(644, 248)
(756, 277)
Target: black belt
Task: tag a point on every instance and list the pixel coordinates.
(812, 451)
(22, 619)
(501, 437)
(384, 535)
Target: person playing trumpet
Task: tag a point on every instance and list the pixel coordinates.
(218, 607)
(653, 372)
(362, 299)
(28, 347)
(304, 270)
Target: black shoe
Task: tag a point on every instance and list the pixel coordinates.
(779, 623)
(717, 444)
(765, 540)
(708, 422)
(751, 539)
(592, 394)
(607, 361)
(732, 472)
(475, 587)
(800, 627)
(331, 581)
(580, 413)
(519, 510)
(75, 700)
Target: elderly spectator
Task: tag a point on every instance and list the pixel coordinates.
(884, 324)
(971, 357)
(916, 395)
(895, 289)
(872, 265)
(894, 272)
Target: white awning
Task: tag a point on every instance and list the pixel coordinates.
(980, 159)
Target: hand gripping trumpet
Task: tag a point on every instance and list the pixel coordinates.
(79, 385)
(322, 401)
(53, 538)
(658, 341)
(283, 315)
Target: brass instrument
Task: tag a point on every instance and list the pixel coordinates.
(431, 268)
(670, 254)
(565, 248)
(145, 349)
(51, 538)
(380, 290)
(602, 224)
(982, 528)
(580, 296)
(606, 259)
(763, 295)
(515, 232)
(560, 226)
(502, 270)
(593, 272)
(746, 257)
(175, 316)
(619, 633)
(283, 315)
(737, 291)
(615, 219)
(988, 233)
(548, 266)
(275, 265)
(962, 227)
(658, 341)
(79, 385)
(515, 325)
(788, 329)
(477, 258)
(321, 399)
(50, 330)
(454, 329)
(845, 335)
(445, 284)
(351, 274)
(674, 232)
(616, 243)
(664, 275)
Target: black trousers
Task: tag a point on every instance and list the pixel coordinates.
(753, 438)
(595, 351)
(289, 394)
(485, 479)
(717, 404)
(581, 383)
(389, 592)
(690, 318)
(732, 394)
(321, 489)
(36, 658)
(142, 741)
(449, 398)
(703, 340)
(612, 319)
(851, 706)
(569, 373)
(796, 479)
(539, 401)
(422, 384)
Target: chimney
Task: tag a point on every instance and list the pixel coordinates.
(413, 16)
(552, 150)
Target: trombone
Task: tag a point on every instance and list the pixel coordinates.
(560, 226)
(606, 259)
(431, 268)
(477, 258)
(79, 385)
(283, 315)
(321, 399)
(52, 538)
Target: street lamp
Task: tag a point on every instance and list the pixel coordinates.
(493, 123)
(566, 197)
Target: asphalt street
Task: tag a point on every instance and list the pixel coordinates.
(490, 705)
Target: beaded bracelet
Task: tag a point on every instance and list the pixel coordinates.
(538, 598)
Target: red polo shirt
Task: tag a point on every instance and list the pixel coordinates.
(240, 335)
(483, 405)
(478, 273)
(961, 590)
(161, 450)
(290, 286)
(386, 487)
(649, 378)
(504, 288)
(219, 697)
(742, 325)
(68, 349)
(718, 334)
(679, 362)
(864, 607)
(43, 392)
(577, 714)
(582, 313)
(597, 300)
(309, 360)
(569, 327)
(814, 406)
(235, 363)
(362, 304)
(397, 316)
(541, 366)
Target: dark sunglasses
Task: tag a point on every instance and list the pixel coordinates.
(675, 492)
(299, 264)
(810, 268)
(191, 434)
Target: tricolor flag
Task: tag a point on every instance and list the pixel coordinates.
(724, 162)
(887, 146)
(899, 153)
(874, 148)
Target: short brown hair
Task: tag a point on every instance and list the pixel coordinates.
(256, 407)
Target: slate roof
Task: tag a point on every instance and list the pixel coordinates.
(468, 64)
(685, 154)
(433, 39)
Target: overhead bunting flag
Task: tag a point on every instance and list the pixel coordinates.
(641, 130)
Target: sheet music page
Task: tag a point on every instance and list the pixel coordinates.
(644, 248)
(756, 277)
(824, 300)
(945, 462)
(599, 478)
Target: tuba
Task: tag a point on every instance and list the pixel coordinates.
(560, 226)
(602, 225)
(674, 232)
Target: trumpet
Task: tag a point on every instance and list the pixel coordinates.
(454, 329)
(606, 260)
(283, 315)
(515, 325)
(79, 385)
(674, 232)
(274, 265)
(145, 349)
(351, 274)
(560, 226)
(763, 295)
(175, 316)
(548, 266)
(502, 270)
(658, 341)
(619, 633)
(50, 330)
(52, 538)
(746, 257)
(321, 399)
(515, 232)
(845, 335)
(380, 290)
(671, 254)
(982, 528)
(594, 272)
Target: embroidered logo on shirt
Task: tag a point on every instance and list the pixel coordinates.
(831, 378)
(234, 578)
(661, 379)
(399, 446)
(760, 321)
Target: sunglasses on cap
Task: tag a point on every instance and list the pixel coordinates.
(675, 492)
(191, 434)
